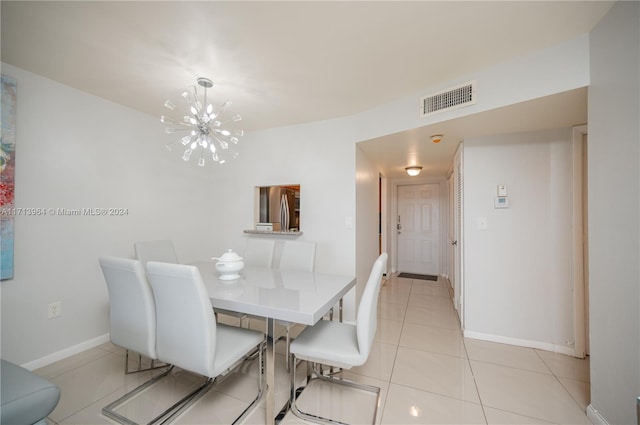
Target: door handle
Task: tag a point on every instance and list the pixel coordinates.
(454, 243)
(399, 226)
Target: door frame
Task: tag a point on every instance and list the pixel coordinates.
(457, 218)
(580, 289)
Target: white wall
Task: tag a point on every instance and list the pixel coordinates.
(553, 70)
(614, 215)
(318, 156)
(74, 150)
(367, 230)
(518, 271)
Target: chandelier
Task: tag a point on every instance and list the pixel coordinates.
(207, 133)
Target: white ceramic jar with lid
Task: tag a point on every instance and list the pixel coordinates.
(229, 265)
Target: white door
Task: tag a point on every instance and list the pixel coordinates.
(456, 242)
(418, 225)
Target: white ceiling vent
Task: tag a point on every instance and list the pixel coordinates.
(453, 98)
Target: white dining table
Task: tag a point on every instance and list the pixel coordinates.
(277, 295)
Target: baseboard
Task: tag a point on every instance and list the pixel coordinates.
(595, 417)
(63, 354)
(547, 346)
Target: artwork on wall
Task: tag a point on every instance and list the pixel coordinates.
(7, 174)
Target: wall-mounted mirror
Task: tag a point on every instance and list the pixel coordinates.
(278, 208)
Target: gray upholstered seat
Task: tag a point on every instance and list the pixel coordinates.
(26, 397)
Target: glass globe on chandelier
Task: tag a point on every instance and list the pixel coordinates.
(207, 132)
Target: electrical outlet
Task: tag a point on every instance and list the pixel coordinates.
(55, 309)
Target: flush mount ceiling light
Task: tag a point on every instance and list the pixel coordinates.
(413, 170)
(436, 138)
(205, 129)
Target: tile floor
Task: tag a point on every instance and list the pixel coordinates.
(428, 374)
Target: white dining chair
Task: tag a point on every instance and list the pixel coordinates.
(259, 252)
(339, 344)
(189, 337)
(160, 250)
(163, 251)
(132, 319)
(298, 256)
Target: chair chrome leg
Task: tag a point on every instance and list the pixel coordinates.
(153, 366)
(184, 403)
(261, 387)
(109, 410)
(188, 400)
(318, 375)
(286, 354)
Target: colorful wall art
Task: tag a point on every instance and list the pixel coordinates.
(7, 174)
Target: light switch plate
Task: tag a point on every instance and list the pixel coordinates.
(502, 190)
(348, 222)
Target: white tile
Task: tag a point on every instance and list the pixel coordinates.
(92, 414)
(256, 417)
(72, 362)
(90, 382)
(338, 402)
(566, 366)
(430, 302)
(399, 284)
(379, 365)
(388, 331)
(390, 295)
(437, 340)
(427, 287)
(410, 406)
(390, 311)
(437, 318)
(383, 385)
(579, 390)
(501, 417)
(212, 408)
(312, 391)
(160, 396)
(112, 348)
(243, 385)
(526, 393)
(505, 355)
(437, 373)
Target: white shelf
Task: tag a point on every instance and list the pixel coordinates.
(273, 232)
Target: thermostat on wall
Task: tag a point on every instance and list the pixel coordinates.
(502, 202)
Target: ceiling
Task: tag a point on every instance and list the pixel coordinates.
(285, 63)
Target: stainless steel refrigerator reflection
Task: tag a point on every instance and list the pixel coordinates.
(270, 201)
